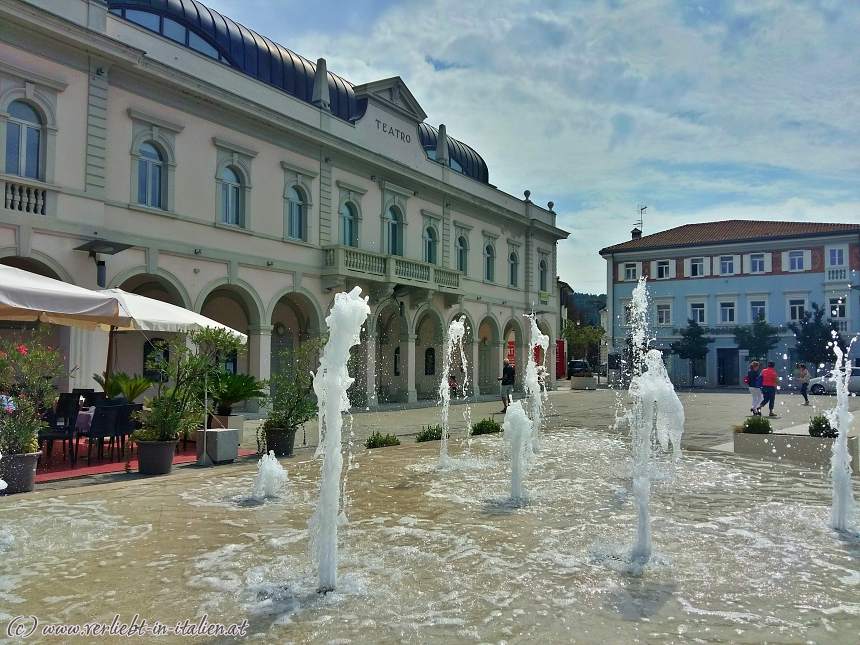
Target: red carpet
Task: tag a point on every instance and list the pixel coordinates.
(59, 467)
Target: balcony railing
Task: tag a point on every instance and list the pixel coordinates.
(346, 260)
(837, 273)
(21, 196)
(840, 323)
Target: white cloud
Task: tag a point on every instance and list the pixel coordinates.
(703, 112)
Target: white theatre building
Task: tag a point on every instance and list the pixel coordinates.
(160, 147)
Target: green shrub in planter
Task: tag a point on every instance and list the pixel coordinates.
(486, 426)
(377, 440)
(757, 425)
(430, 433)
(819, 426)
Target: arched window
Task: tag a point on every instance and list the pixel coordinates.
(393, 232)
(462, 254)
(430, 244)
(348, 225)
(429, 361)
(150, 176)
(232, 203)
(24, 141)
(542, 275)
(397, 361)
(296, 213)
(489, 263)
(231, 363)
(514, 269)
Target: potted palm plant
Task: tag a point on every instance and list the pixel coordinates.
(121, 384)
(292, 401)
(228, 390)
(177, 408)
(28, 370)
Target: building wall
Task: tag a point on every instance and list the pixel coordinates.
(817, 283)
(134, 86)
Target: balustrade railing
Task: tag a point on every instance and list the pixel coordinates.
(837, 273)
(22, 197)
(387, 268)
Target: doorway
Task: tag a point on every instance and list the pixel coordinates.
(728, 366)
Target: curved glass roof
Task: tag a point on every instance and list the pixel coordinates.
(212, 34)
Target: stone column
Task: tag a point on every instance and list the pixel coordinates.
(411, 392)
(371, 363)
(260, 351)
(476, 369)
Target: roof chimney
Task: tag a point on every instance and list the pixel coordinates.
(321, 97)
(442, 146)
(636, 233)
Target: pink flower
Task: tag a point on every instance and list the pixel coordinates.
(22, 349)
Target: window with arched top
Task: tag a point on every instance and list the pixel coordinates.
(431, 244)
(513, 269)
(296, 213)
(150, 176)
(393, 231)
(232, 202)
(462, 254)
(156, 356)
(489, 263)
(24, 140)
(396, 361)
(430, 361)
(542, 275)
(348, 224)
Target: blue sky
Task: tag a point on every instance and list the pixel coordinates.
(701, 110)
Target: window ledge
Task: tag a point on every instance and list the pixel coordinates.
(233, 227)
(143, 208)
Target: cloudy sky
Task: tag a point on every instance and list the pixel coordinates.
(701, 110)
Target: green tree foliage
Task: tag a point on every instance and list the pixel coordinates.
(583, 340)
(814, 336)
(758, 339)
(693, 346)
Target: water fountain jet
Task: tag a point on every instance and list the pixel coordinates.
(840, 462)
(453, 341)
(534, 382)
(518, 432)
(331, 382)
(270, 479)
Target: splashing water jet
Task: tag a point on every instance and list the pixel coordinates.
(518, 433)
(535, 384)
(331, 382)
(840, 461)
(2, 483)
(453, 342)
(656, 415)
(271, 477)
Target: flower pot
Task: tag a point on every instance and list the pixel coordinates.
(19, 472)
(281, 441)
(155, 457)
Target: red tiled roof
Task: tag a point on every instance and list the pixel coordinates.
(732, 230)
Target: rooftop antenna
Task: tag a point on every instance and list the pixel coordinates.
(640, 221)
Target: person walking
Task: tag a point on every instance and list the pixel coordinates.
(769, 379)
(803, 377)
(753, 381)
(508, 377)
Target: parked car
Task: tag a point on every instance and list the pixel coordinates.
(822, 384)
(576, 367)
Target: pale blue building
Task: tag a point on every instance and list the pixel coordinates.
(728, 273)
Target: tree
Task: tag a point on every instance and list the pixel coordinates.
(815, 336)
(758, 339)
(583, 340)
(693, 346)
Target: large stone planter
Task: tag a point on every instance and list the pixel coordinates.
(19, 472)
(794, 448)
(583, 383)
(231, 421)
(280, 440)
(222, 445)
(155, 457)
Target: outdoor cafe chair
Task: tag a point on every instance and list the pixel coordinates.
(61, 425)
(103, 427)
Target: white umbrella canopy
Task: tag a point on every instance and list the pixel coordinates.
(148, 314)
(29, 296)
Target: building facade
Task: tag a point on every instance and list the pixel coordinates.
(160, 147)
(726, 274)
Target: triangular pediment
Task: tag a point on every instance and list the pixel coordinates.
(393, 93)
